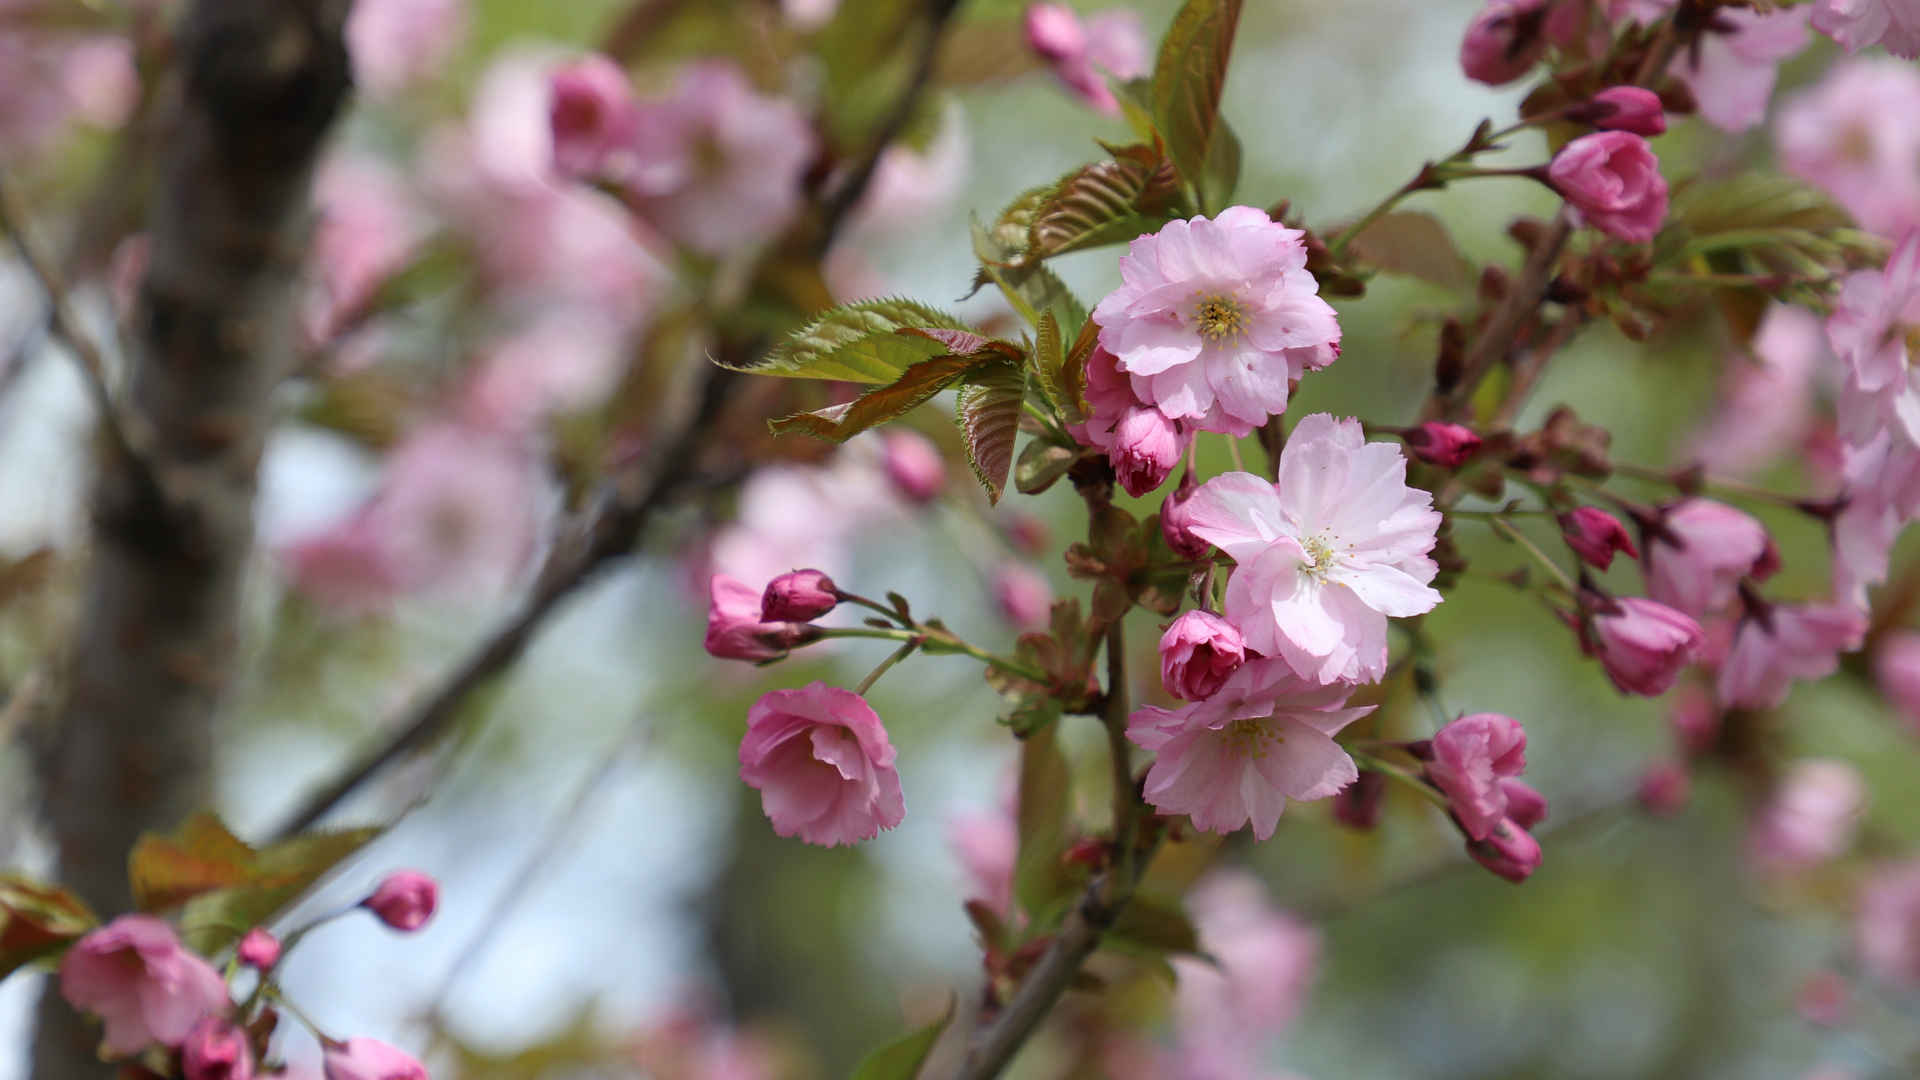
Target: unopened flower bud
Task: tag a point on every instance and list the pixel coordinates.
(216, 1049)
(1054, 32)
(1644, 645)
(1197, 654)
(592, 115)
(914, 466)
(1439, 443)
(1503, 41)
(1624, 108)
(1663, 788)
(799, 596)
(1176, 520)
(405, 900)
(1146, 447)
(1022, 593)
(737, 631)
(1509, 851)
(258, 949)
(1613, 179)
(370, 1059)
(1595, 535)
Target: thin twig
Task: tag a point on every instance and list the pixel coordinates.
(1496, 340)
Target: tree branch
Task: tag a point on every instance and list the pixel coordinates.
(1496, 339)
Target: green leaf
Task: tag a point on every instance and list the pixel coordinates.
(1154, 926)
(1414, 243)
(1050, 370)
(988, 413)
(37, 920)
(1041, 465)
(201, 856)
(902, 1058)
(1030, 287)
(1045, 791)
(1189, 78)
(859, 343)
(915, 385)
(1107, 202)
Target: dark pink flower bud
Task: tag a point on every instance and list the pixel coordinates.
(1504, 41)
(1146, 447)
(1525, 806)
(1446, 445)
(216, 1049)
(1612, 178)
(1625, 108)
(737, 631)
(1197, 654)
(1470, 757)
(370, 1059)
(800, 596)
(1357, 806)
(258, 949)
(592, 114)
(1643, 646)
(1664, 788)
(405, 900)
(1595, 535)
(1176, 519)
(1054, 32)
(1508, 850)
(914, 466)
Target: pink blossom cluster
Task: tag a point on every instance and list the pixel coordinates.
(1085, 53)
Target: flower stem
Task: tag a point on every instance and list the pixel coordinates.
(944, 639)
(899, 654)
(1399, 775)
(1510, 533)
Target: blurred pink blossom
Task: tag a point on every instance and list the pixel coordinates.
(404, 900)
(147, 988)
(1896, 667)
(1022, 594)
(1626, 108)
(1664, 787)
(1214, 319)
(1643, 646)
(1849, 136)
(986, 844)
(369, 226)
(1783, 643)
(1266, 964)
(914, 465)
(1875, 330)
(1883, 494)
(1325, 555)
(1857, 24)
(565, 359)
(822, 763)
(216, 1049)
(397, 42)
(1766, 406)
(1888, 925)
(1731, 69)
(1705, 548)
(1810, 816)
(1504, 41)
(1083, 54)
(593, 115)
(1234, 760)
(370, 1059)
(258, 949)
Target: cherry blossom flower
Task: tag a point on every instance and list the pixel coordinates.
(134, 974)
(1472, 758)
(1810, 817)
(1731, 71)
(397, 42)
(1215, 318)
(1643, 646)
(216, 1049)
(822, 763)
(1857, 24)
(1896, 668)
(1882, 489)
(1595, 535)
(1849, 137)
(1083, 54)
(1198, 653)
(987, 844)
(1234, 760)
(1888, 927)
(1327, 554)
(1696, 561)
(594, 116)
(369, 226)
(404, 900)
(737, 628)
(914, 465)
(1612, 179)
(1773, 648)
(1766, 406)
(1875, 330)
(1266, 962)
(1022, 594)
(370, 1059)
(1143, 445)
(1504, 41)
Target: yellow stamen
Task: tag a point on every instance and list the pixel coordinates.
(1219, 318)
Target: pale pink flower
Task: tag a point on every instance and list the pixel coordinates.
(1888, 926)
(1215, 318)
(216, 1049)
(147, 988)
(1783, 643)
(1022, 594)
(1857, 24)
(594, 116)
(1471, 757)
(806, 515)
(258, 949)
(1766, 407)
(1612, 180)
(719, 165)
(909, 185)
(370, 1059)
(1197, 654)
(1896, 666)
(1643, 646)
(1327, 554)
(1707, 547)
(369, 226)
(1234, 760)
(1731, 70)
(809, 14)
(1883, 495)
(397, 42)
(566, 359)
(1083, 54)
(1875, 330)
(1849, 136)
(1594, 535)
(820, 759)
(404, 900)
(1810, 816)
(987, 844)
(1266, 961)
(1504, 41)
(737, 629)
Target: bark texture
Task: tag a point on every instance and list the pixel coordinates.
(256, 85)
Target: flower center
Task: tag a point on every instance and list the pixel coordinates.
(1248, 738)
(1219, 318)
(1320, 556)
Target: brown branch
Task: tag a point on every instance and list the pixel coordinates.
(1496, 339)
(128, 743)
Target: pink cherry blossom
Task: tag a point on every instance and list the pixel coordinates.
(1234, 760)
(1706, 548)
(1595, 535)
(1732, 70)
(809, 14)
(1083, 54)
(1773, 648)
(913, 464)
(594, 115)
(369, 225)
(1848, 136)
(216, 1049)
(1857, 24)
(1882, 489)
(1766, 407)
(737, 629)
(397, 42)
(134, 974)
(1896, 666)
(1327, 554)
(1888, 926)
(1022, 594)
(1810, 817)
(822, 763)
(1197, 654)
(1266, 962)
(565, 359)
(1612, 179)
(1215, 318)
(1141, 442)
(1504, 41)
(1875, 330)
(404, 900)
(718, 164)
(986, 844)
(370, 1059)
(1643, 646)
(1471, 756)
